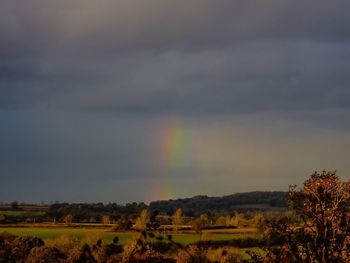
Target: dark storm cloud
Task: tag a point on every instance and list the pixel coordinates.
(88, 88)
(183, 56)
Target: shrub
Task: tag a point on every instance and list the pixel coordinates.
(161, 246)
(224, 255)
(83, 255)
(45, 255)
(122, 224)
(151, 256)
(191, 254)
(66, 244)
(21, 246)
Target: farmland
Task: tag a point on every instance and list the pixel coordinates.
(90, 235)
(107, 236)
(135, 233)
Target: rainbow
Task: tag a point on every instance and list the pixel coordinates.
(173, 151)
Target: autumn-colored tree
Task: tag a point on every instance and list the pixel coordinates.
(227, 220)
(105, 219)
(220, 221)
(177, 219)
(324, 232)
(238, 220)
(199, 223)
(68, 219)
(143, 220)
(258, 221)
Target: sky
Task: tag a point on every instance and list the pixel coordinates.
(128, 100)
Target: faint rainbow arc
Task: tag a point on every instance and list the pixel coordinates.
(174, 151)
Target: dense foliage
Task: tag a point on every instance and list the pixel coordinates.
(230, 203)
(123, 214)
(93, 213)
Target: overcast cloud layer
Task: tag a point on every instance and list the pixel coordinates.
(87, 89)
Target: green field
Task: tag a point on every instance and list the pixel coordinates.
(189, 238)
(80, 233)
(107, 236)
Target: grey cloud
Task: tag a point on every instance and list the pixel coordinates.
(93, 157)
(156, 23)
(159, 56)
(265, 76)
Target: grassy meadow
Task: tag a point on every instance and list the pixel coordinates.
(86, 234)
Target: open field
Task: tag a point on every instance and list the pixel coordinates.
(107, 236)
(80, 233)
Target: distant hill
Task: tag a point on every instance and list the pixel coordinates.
(258, 200)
